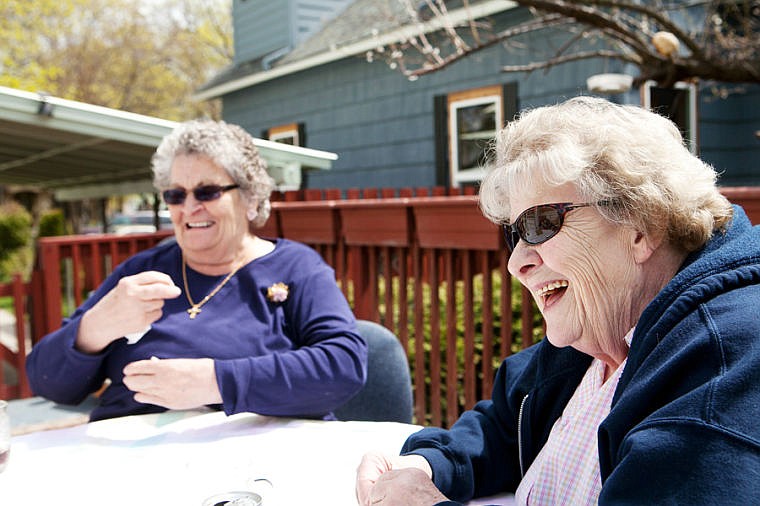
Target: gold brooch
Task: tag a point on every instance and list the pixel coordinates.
(278, 292)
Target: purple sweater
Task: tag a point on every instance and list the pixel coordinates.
(302, 357)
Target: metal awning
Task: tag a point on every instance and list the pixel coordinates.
(78, 150)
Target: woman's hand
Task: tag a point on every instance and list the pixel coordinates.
(382, 479)
(405, 487)
(174, 383)
(131, 306)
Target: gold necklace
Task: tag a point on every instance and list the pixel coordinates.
(196, 308)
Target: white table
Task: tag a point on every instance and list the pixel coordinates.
(179, 458)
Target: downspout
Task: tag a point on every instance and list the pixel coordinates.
(267, 60)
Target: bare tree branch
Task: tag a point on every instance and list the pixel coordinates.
(531, 26)
(645, 11)
(530, 67)
(719, 43)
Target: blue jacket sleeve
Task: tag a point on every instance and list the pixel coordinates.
(478, 455)
(489, 448)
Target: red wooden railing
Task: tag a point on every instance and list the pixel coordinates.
(430, 268)
(25, 316)
(85, 261)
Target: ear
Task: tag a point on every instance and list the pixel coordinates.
(252, 210)
(643, 245)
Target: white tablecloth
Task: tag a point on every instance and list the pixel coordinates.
(181, 458)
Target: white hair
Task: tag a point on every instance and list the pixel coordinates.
(625, 155)
(228, 146)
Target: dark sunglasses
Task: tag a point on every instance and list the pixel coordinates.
(538, 224)
(205, 193)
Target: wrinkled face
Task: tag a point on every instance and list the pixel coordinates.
(582, 278)
(209, 232)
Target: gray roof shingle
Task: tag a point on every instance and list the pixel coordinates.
(360, 21)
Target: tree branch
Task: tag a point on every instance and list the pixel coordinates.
(588, 16)
(626, 26)
(665, 23)
(527, 27)
(585, 55)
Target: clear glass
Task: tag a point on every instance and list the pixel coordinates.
(5, 435)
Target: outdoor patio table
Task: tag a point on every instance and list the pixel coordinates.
(180, 458)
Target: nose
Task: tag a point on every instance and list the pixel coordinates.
(191, 204)
(523, 260)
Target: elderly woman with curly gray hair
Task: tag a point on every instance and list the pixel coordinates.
(220, 317)
(646, 389)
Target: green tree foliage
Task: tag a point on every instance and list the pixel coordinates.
(15, 236)
(52, 224)
(135, 55)
(15, 228)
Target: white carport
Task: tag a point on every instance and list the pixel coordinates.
(80, 151)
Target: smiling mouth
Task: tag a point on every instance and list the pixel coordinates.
(551, 291)
(199, 224)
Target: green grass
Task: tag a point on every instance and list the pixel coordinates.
(6, 303)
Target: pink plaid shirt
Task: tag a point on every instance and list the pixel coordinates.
(566, 470)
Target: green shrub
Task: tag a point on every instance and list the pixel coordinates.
(15, 228)
(15, 239)
(424, 332)
(52, 224)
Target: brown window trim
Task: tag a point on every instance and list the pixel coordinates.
(290, 130)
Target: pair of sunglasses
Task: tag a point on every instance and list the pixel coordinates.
(205, 193)
(538, 224)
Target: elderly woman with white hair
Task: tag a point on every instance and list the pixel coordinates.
(646, 389)
(234, 321)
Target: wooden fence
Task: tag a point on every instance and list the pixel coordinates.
(12, 357)
(430, 268)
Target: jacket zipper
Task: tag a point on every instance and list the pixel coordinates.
(519, 435)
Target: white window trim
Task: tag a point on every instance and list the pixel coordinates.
(458, 176)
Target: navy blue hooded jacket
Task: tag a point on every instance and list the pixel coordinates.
(684, 427)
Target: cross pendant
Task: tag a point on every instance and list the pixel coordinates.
(193, 312)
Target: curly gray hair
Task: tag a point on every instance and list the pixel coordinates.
(228, 146)
(634, 158)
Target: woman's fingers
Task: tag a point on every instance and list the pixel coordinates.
(182, 383)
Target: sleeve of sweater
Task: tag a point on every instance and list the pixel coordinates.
(56, 369)
(478, 455)
(325, 368)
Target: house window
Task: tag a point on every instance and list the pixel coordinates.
(466, 124)
(292, 134)
(474, 117)
(679, 104)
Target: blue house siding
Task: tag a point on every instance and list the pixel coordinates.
(381, 124)
(260, 27)
(310, 15)
(727, 135)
